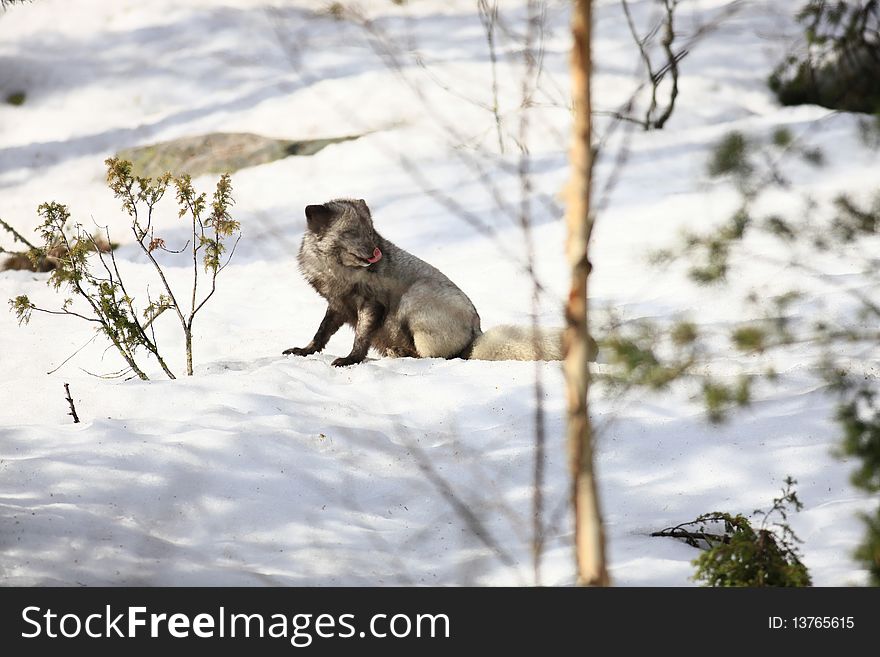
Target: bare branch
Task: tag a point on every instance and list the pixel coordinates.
(70, 402)
(489, 18)
(66, 312)
(464, 511)
(68, 359)
(17, 236)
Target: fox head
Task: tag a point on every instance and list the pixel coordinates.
(342, 230)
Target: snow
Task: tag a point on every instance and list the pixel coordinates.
(270, 470)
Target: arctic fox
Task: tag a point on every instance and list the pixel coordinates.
(397, 304)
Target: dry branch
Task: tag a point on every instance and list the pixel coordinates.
(70, 403)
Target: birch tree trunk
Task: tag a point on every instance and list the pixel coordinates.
(589, 533)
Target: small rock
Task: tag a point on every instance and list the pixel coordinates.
(218, 152)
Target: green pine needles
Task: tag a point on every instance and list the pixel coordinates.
(743, 554)
(746, 555)
(859, 416)
(87, 269)
(837, 60)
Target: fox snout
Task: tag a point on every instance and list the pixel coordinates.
(364, 260)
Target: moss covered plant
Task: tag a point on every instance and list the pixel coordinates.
(91, 275)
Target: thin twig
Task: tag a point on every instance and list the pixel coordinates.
(526, 227)
(66, 360)
(464, 511)
(489, 18)
(111, 375)
(641, 43)
(672, 61)
(144, 338)
(17, 236)
(140, 235)
(65, 312)
(691, 538)
(72, 407)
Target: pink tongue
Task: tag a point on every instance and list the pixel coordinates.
(377, 256)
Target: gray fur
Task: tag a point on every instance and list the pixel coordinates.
(397, 304)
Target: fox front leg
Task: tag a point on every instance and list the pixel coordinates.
(329, 325)
(370, 317)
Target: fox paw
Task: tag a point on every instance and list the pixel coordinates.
(298, 351)
(345, 362)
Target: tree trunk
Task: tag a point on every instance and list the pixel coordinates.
(589, 533)
(188, 338)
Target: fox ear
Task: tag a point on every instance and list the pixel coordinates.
(362, 206)
(318, 217)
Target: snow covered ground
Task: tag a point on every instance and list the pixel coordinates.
(265, 469)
